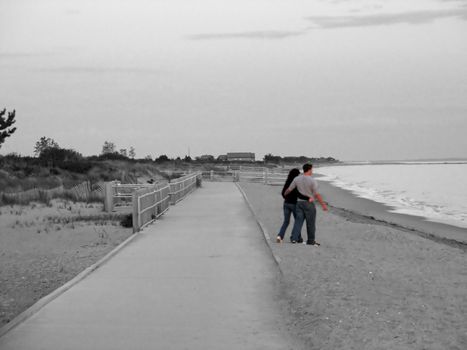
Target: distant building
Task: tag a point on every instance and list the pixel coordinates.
(241, 157)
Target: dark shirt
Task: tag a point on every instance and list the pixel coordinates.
(291, 197)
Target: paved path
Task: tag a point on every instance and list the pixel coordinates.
(200, 278)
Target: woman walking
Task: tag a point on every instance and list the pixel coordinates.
(290, 202)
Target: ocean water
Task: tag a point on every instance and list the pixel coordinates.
(436, 191)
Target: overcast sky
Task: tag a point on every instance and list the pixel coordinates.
(352, 79)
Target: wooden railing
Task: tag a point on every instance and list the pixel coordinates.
(181, 187)
(148, 201)
(120, 196)
(149, 204)
(248, 174)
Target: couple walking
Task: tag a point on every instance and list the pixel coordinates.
(300, 192)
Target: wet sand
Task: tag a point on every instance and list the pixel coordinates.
(373, 284)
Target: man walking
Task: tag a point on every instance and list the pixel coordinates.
(306, 211)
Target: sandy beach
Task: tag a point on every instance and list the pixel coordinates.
(371, 284)
(44, 246)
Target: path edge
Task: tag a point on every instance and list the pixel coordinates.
(263, 229)
(33, 309)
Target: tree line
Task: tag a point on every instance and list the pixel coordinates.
(48, 150)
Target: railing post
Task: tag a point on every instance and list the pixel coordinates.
(108, 197)
(136, 225)
(236, 175)
(265, 173)
(155, 201)
(171, 194)
(211, 175)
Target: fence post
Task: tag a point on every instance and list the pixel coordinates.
(135, 212)
(211, 175)
(171, 194)
(108, 197)
(265, 176)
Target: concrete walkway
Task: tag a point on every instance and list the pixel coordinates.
(200, 278)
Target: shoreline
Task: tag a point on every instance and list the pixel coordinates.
(347, 202)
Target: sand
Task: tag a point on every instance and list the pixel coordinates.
(369, 285)
(44, 246)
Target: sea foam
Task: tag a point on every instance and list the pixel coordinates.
(436, 191)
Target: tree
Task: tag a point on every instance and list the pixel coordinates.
(108, 147)
(162, 158)
(60, 155)
(5, 125)
(123, 152)
(43, 144)
(206, 158)
(269, 158)
(132, 153)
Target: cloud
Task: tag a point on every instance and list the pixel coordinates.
(73, 12)
(267, 34)
(99, 70)
(22, 54)
(416, 17)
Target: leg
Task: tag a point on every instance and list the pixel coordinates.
(287, 212)
(297, 227)
(294, 210)
(294, 213)
(310, 217)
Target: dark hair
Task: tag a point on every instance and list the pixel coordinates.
(307, 167)
(292, 175)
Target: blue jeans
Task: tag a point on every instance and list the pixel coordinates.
(305, 212)
(289, 208)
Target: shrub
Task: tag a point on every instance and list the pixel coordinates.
(80, 167)
(54, 171)
(112, 156)
(44, 197)
(127, 221)
(59, 155)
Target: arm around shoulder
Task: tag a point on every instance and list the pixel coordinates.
(290, 189)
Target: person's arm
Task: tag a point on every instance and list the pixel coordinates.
(318, 197)
(290, 189)
(321, 201)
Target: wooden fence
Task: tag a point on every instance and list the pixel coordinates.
(149, 203)
(85, 191)
(268, 176)
(120, 196)
(181, 187)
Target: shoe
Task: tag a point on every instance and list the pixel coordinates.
(300, 240)
(293, 241)
(316, 244)
(278, 239)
